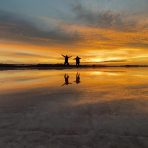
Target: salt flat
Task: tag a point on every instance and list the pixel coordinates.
(106, 108)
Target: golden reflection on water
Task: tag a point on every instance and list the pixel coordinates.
(81, 87)
(100, 103)
(92, 79)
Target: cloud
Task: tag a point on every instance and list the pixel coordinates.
(110, 61)
(107, 19)
(137, 45)
(14, 27)
(32, 55)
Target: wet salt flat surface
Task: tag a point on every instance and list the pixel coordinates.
(106, 108)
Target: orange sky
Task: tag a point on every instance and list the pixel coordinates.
(105, 36)
(116, 49)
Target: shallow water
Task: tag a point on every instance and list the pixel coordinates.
(101, 108)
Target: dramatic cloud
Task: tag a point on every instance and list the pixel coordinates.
(15, 28)
(107, 19)
(112, 31)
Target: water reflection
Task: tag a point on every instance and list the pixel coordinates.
(110, 105)
(77, 78)
(23, 80)
(66, 79)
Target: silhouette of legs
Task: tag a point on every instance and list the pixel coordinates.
(77, 64)
(66, 63)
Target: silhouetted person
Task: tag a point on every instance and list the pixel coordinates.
(66, 59)
(77, 78)
(77, 61)
(66, 78)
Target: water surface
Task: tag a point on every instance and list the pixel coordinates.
(101, 108)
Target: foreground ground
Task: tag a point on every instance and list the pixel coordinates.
(100, 112)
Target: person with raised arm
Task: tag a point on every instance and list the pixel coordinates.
(77, 61)
(66, 59)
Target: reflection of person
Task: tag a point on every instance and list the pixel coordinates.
(66, 59)
(77, 78)
(77, 61)
(66, 78)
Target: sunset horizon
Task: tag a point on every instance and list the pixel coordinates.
(39, 32)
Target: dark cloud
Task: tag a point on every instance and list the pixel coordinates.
(114, 61)
(13, 27)
(104, 19)
(137, 45)
(31, 55)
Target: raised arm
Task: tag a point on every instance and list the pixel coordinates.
(62, 55)
(69, 56)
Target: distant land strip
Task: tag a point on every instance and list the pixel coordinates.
(59, 66)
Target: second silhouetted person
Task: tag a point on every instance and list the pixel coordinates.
(77, 61)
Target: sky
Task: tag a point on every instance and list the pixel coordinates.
(103, 31)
